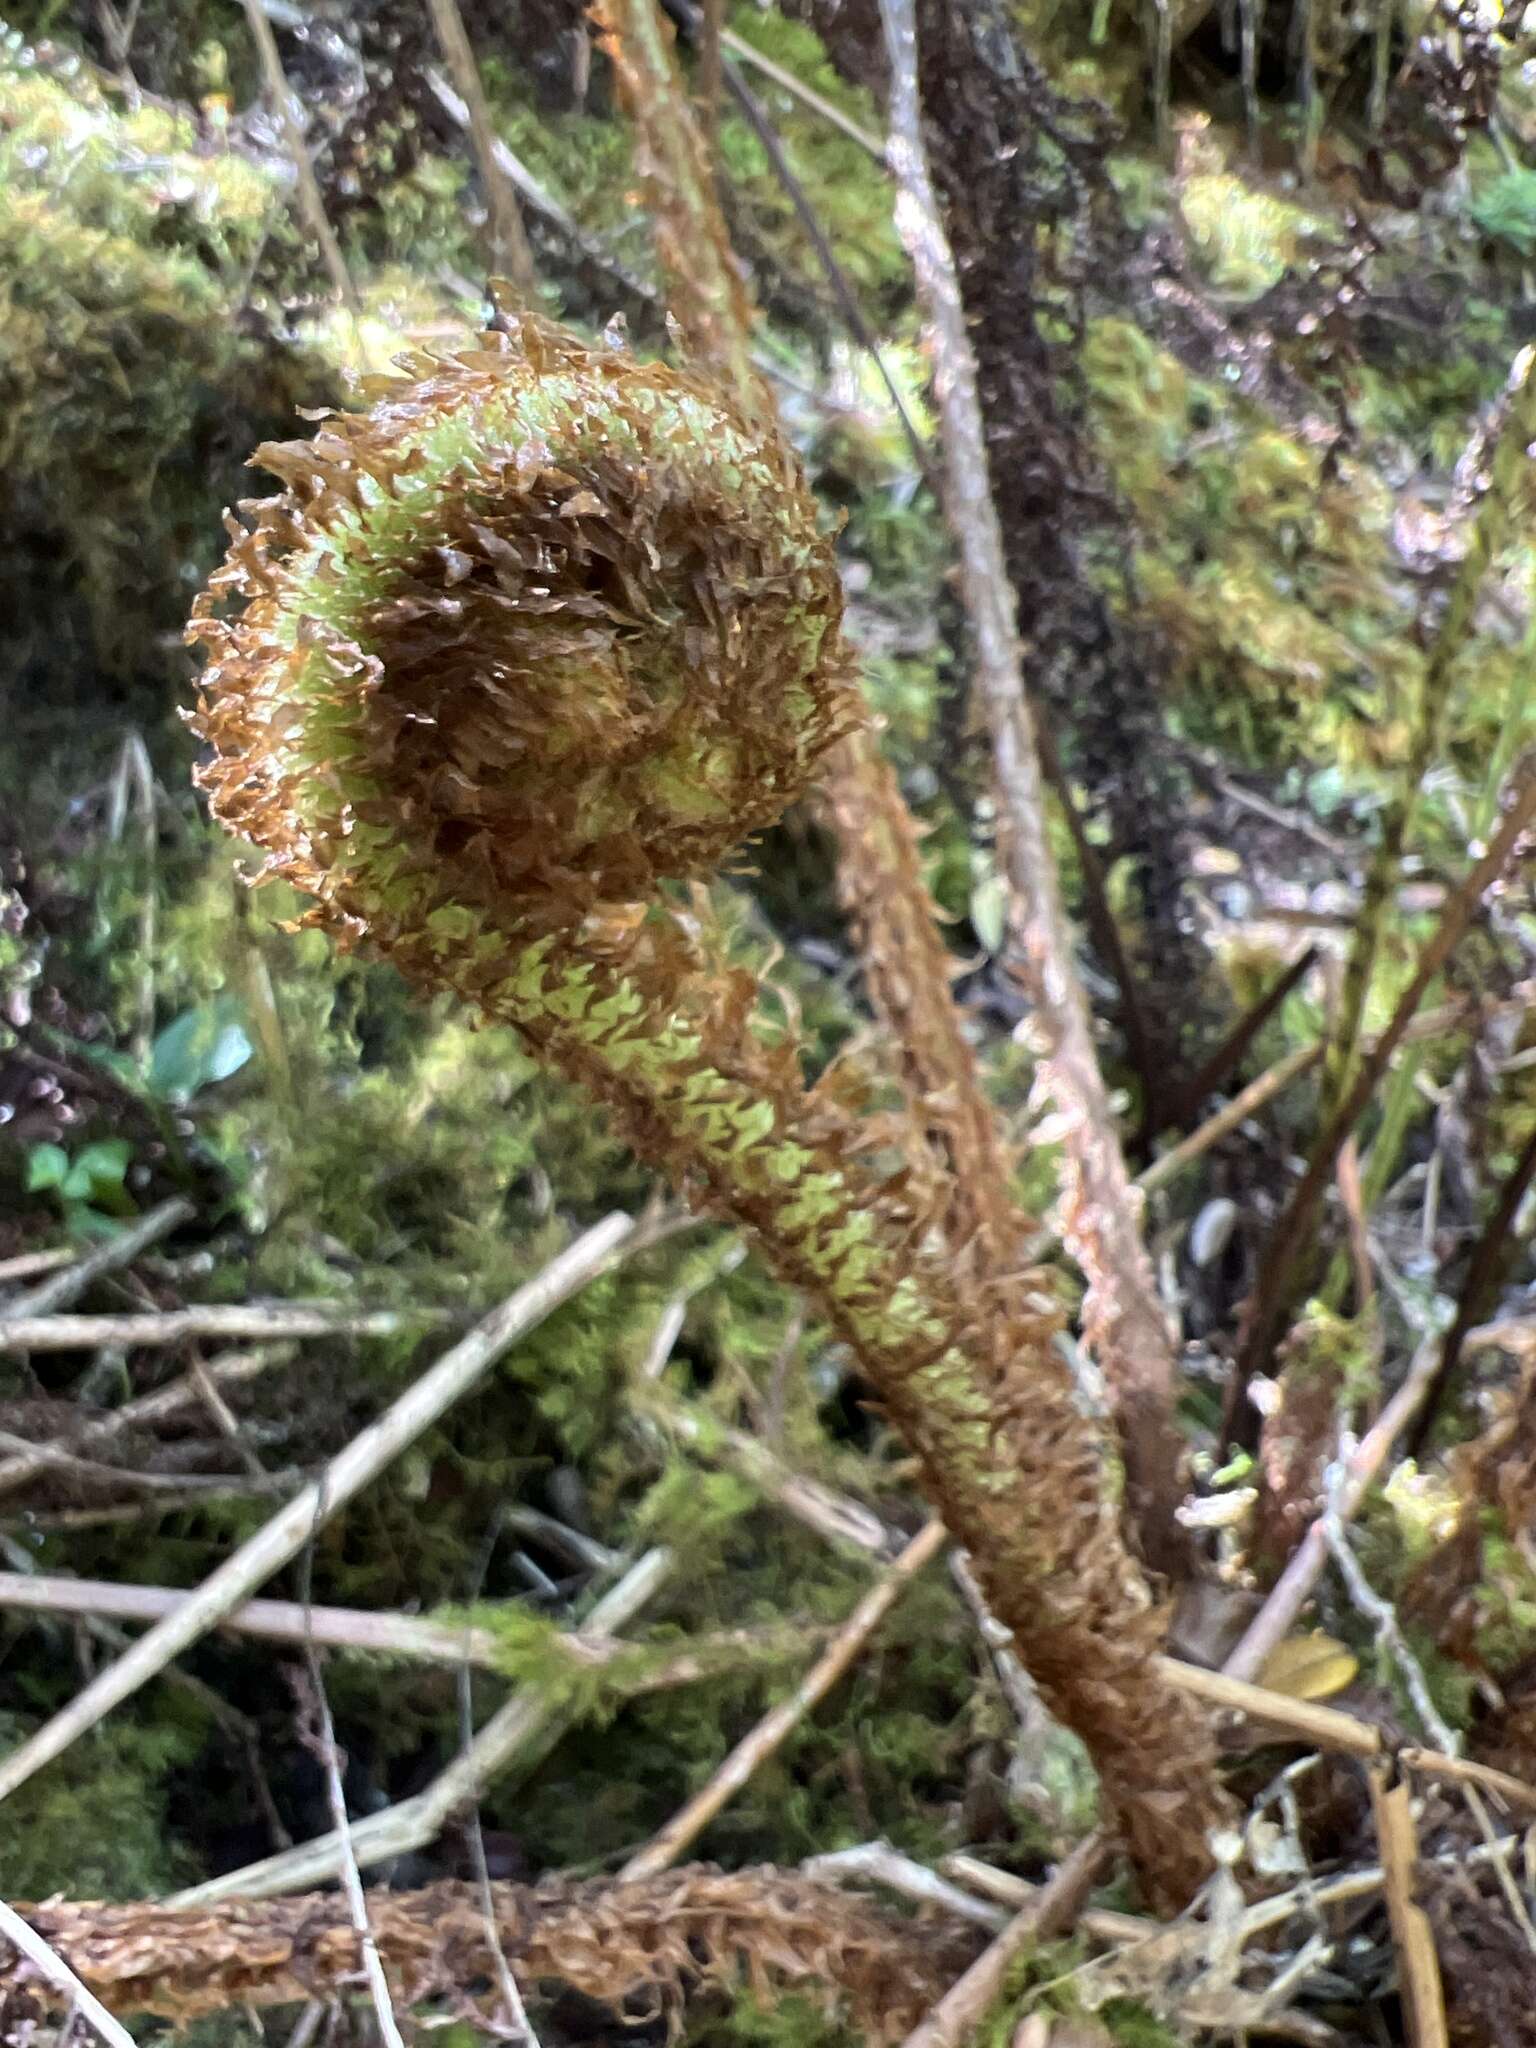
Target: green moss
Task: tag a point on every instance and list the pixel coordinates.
(1268, 573)
(94, 1825)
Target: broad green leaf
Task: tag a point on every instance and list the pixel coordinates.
(201, 1046)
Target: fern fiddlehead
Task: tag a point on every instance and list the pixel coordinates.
(544, 632)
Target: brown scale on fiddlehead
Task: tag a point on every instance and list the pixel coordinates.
(544, 633)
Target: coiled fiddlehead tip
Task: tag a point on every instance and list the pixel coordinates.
(543, 627)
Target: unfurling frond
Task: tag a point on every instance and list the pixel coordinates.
(544, 632)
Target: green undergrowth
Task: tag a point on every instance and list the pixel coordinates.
(98, 1820)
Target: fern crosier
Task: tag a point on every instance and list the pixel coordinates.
(546, 630)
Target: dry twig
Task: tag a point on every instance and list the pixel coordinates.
(772, 1731)
(1418, 1965)
(1055, 1906)
(322, 1733)
(1293, 1588)
(363, 1459)
(509, 253)
(522, 1730)
(250, 1323)
(107, 1257)
(55, 1971)
(1100, 1212)
(286, 108)
(148, 1409)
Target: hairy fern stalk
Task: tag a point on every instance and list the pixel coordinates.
(539, 637)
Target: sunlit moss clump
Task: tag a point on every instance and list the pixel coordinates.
(123, 243)
(1245, 238)
(1268, 568)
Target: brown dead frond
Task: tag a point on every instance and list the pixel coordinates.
(647, 1945)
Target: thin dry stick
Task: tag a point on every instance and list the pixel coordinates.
(1418, 1966)
(1214, 1069)
(1055, 1906)
(1382, 1615)
(110, 1257)
(1099, 1923)
(195, 1495)
(149, 1331)
(363, 1459)
(517, 2019)
(310, 198)
(27, 1265)
(521, 1731)
(1168, 1165)
(279, 1621)
(1100, 1211)
(1246, 1103)
(740, 48)
(510, 255)
(1272, 1624)
(224, 1417)
(770, 1733)
(48, 1963)
(879, 1863)
(136, 1482)
(351, 1876)
(1328, 1728)
(839, 1520)
(826, 257)
(413, 1637)
(165, 1401)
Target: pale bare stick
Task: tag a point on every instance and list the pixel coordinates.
(519, 1734)
(281, 1621)
(286, 108)
(1100, 1211)
(135, 1482)
(225, 1323)
(740, 48)
(324, 1746)
(689, 1822)
(1382, 1615)
(1328, 1728)
(1103, 1924)
(224, 1417)
(414, 1636)
(1099, 1923)
(1054, 1907)
(353, 1468)
(109, 1257)
(165, 1401)
(197, 1494)
(1418, 1966)
(879, 1863)
(27, 1265)
(1293, 1588)
(48, 1963)
(508, 239)
(512, 168)
(836, 1518)
(1246, 1103)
